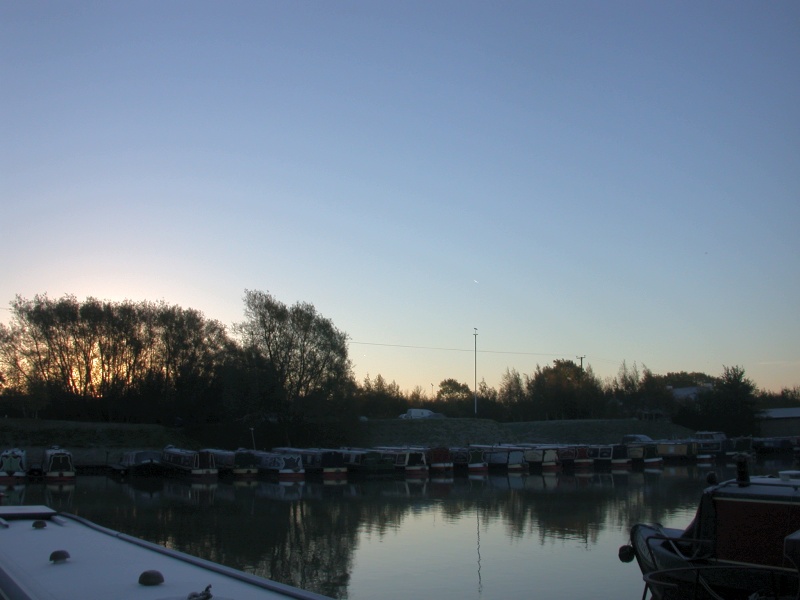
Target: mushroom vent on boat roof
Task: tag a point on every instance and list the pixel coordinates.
(151, 577)
(39, 524)
(57, 556)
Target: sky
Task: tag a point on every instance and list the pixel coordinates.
(462, 187)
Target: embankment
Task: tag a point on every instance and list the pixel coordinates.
(90, 443)
(456, 432)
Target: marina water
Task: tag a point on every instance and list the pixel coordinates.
(552, 536)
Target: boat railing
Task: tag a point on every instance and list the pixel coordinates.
(687, 548)
(704, 582)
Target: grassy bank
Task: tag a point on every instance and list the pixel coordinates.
(453, 432)
(91, 443)
(35, 432)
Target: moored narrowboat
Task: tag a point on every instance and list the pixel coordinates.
(470, 460)
(566, 455)
(676, 450)
(224, 460)
(650, 457)
(543, 458)
(367, 462)
(286, 466)
(144, 463)
(508, 458)
(57, 465)
(536, 455)
(619, 457)
(245, 464)
(601, 455)
(744, 542)
(320, 461)
(439, 458)
(643, 451)
(411, 462)
(197, 464)
(582, 459)
(710, 446)
(13, 466)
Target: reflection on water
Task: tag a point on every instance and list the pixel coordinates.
(494, 536)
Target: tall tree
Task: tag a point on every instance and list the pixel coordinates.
(512, 390)
(307, 352)
(454, 399)
(732, 404)
(513, 397)
(639, 390)
(451, 390)
(565, 391)
(193, 349)
(378, 399)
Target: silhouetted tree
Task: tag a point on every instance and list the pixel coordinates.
(786, 398)
(554, 390)
(378, 399)
(513, 397)
(489, 405)
(731, 405)
(306, 351)
(640, 391)
(453, 399)
(105, 360)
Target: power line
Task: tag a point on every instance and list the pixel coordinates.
(511, 352)
(459, 349)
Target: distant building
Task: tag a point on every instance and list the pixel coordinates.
(779, 422)
(687, 394)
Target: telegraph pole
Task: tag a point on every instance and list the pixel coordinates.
(475, 385)
(581, 359)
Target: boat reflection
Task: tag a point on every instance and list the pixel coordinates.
(59, 495)
(195, 493)
(13, 494)
(280, 490)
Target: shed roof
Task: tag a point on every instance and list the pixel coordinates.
(780, 413)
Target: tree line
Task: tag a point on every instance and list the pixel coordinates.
(151, 362)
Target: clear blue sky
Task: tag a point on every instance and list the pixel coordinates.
(616, 180)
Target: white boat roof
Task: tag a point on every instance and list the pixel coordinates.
(105, 564)
(784, 489)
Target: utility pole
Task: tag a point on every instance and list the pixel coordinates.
(581, 359)
(475, 385)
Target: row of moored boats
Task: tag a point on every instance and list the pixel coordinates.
(287, 463)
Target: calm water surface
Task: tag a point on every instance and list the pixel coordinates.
(498, 537)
